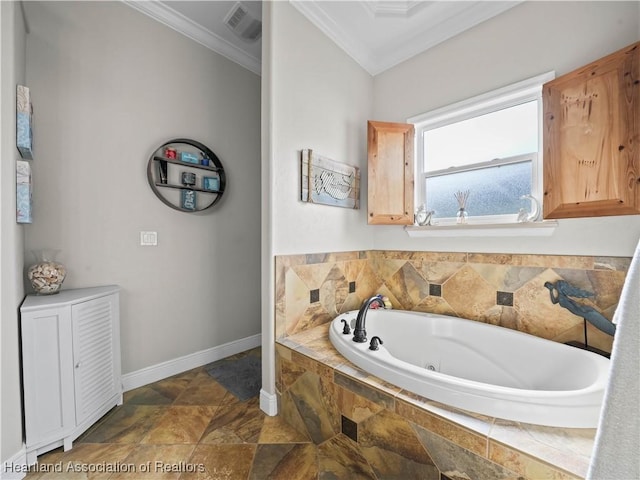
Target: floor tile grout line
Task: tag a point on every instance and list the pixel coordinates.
(226, 404)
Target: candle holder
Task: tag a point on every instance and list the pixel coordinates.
(423, 216)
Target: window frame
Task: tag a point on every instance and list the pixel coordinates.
(505, 97)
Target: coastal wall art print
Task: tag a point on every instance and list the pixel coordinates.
(24, 122)
(327, 182)
(23, 192)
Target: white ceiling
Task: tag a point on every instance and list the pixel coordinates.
(377, 34)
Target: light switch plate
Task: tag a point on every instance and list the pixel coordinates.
(148, 239)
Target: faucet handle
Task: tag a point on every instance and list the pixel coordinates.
(345, 330)
(375, 341)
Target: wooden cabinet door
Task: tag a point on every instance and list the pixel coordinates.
(592, 139)
(390, 173)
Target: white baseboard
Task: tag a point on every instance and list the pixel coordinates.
(15, 468)
(268, 403)
(166, 369)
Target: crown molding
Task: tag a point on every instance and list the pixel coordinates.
(187, 27)
(442, 30)
(444, 25)
(392, 8)
(360, 52)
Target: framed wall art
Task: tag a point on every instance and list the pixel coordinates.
(23, 192)
(24, 127)
(328, 182)
(188, 199)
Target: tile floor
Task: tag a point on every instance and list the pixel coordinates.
(187, 427)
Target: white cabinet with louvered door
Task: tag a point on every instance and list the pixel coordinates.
(70, 364)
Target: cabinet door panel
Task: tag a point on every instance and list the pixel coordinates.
(95, 351)
(390, 173)
(591, 136)
(48, 378)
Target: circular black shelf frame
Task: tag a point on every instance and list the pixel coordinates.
(156, 185)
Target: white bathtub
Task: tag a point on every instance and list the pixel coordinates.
(479, 367)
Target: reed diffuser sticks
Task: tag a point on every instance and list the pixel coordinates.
(462, 196)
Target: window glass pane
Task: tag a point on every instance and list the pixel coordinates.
(493, 190)
(500, 134)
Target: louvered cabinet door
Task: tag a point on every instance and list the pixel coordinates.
(95, 354)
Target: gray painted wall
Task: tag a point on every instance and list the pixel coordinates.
(109, 86)
(530, 39)
(12, 56)
(318, 98)
(321, 99)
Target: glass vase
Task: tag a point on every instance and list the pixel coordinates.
(46, 275)
(422, 216)
(461, 216)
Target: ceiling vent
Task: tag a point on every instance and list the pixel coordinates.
(243, 24)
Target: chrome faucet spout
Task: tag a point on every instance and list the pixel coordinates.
(359, 332)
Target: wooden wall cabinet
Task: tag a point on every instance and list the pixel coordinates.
(390, 173)
(70, 364)
(592, 139)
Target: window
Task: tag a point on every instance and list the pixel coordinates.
(488, 145)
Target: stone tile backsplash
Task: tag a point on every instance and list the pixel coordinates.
(501, 289)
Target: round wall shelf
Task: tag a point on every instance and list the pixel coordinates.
(186, 175)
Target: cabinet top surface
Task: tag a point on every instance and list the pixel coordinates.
(66, 297)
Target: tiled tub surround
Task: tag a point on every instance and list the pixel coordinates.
(501, 289)
(401, 435)
(372, 430)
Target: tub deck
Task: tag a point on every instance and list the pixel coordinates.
(533, 451)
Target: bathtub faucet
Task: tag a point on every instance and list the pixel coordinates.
(359, 332)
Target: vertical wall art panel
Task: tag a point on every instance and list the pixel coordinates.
(24, 132)
(328, 182)
(23, 192)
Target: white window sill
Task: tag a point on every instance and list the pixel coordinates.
(527, 229)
